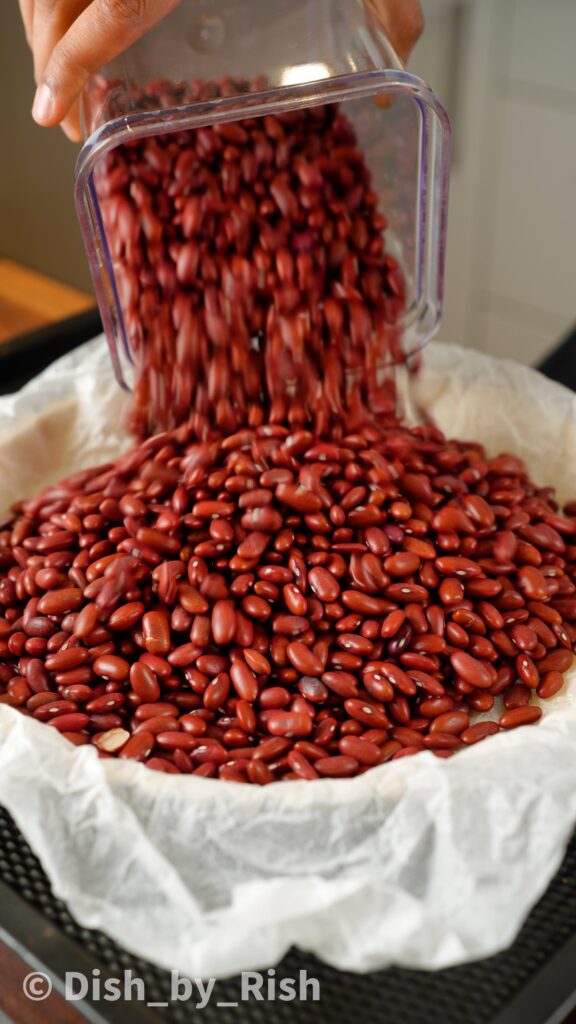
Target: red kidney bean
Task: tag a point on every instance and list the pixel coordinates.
(550, 684)
(397, 677)
(111, 742)
(428, 682)
(402, 565)
(19, 691)
(481, 647)
(478, 731)
(457, 566)
(125, 617)
(301, 766)
(392, 623)
(435, 706)
(527, 671)
(389, 750)
(356, 644)
(223, 622)
(184, 655)
(53, 708)
(193, 724)
(471, 670)
(298, 498)
(56, 602)
(160, 764)
(144, 682)
(139, 746)
(275, 698)
(480, 700)
(378, 686)
(524, 637)
(216, 693)
(451, 722)
(451, 591)
(256, 607)
(78, 739)
(323, 584)
(109, 666)
(342, 683)
(156, 632)
(63, 660)
(192, 600)
(304, 659)
(154, 709)
(545, 612)
(290, 625)
(156, 724)
(274, 747)
(364, 751)
(519, 716)
(36, 676)
(532, 583)
(290, 724)
(38, 699)
(313, 690)
(339, 766)
(209, 751)
(246, 716)
(259, 773)
(406, 592)
(559, 660)
(106, 703)
(86, 620)
(173, 740)
(244, 681)
(367, 714)
(77, 693)
(440, 741)
(452, 519)
(518, 696)
(73, 722)
(294, 600)
(184, 762)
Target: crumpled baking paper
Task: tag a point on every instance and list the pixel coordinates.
(423, 862)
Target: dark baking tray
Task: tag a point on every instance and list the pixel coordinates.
(533, 982)
(25, 355)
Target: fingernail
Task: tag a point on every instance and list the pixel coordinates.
(43, 105)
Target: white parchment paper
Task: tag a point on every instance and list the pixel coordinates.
(424, 862)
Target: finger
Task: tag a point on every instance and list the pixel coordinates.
(409, 28)
(103, 30)
(52, 20)
(403, 23)
(27, 12)
(71, 125)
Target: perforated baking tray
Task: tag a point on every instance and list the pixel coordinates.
(534, 982)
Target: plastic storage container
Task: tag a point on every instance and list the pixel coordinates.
(268, 59)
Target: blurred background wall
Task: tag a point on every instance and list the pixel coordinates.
(37, 221)
(506, 71)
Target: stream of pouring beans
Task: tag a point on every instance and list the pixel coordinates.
(252, 271)
(285, 582)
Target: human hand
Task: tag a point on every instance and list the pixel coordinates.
(71, 39)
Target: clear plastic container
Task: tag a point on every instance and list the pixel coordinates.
(295, 53)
